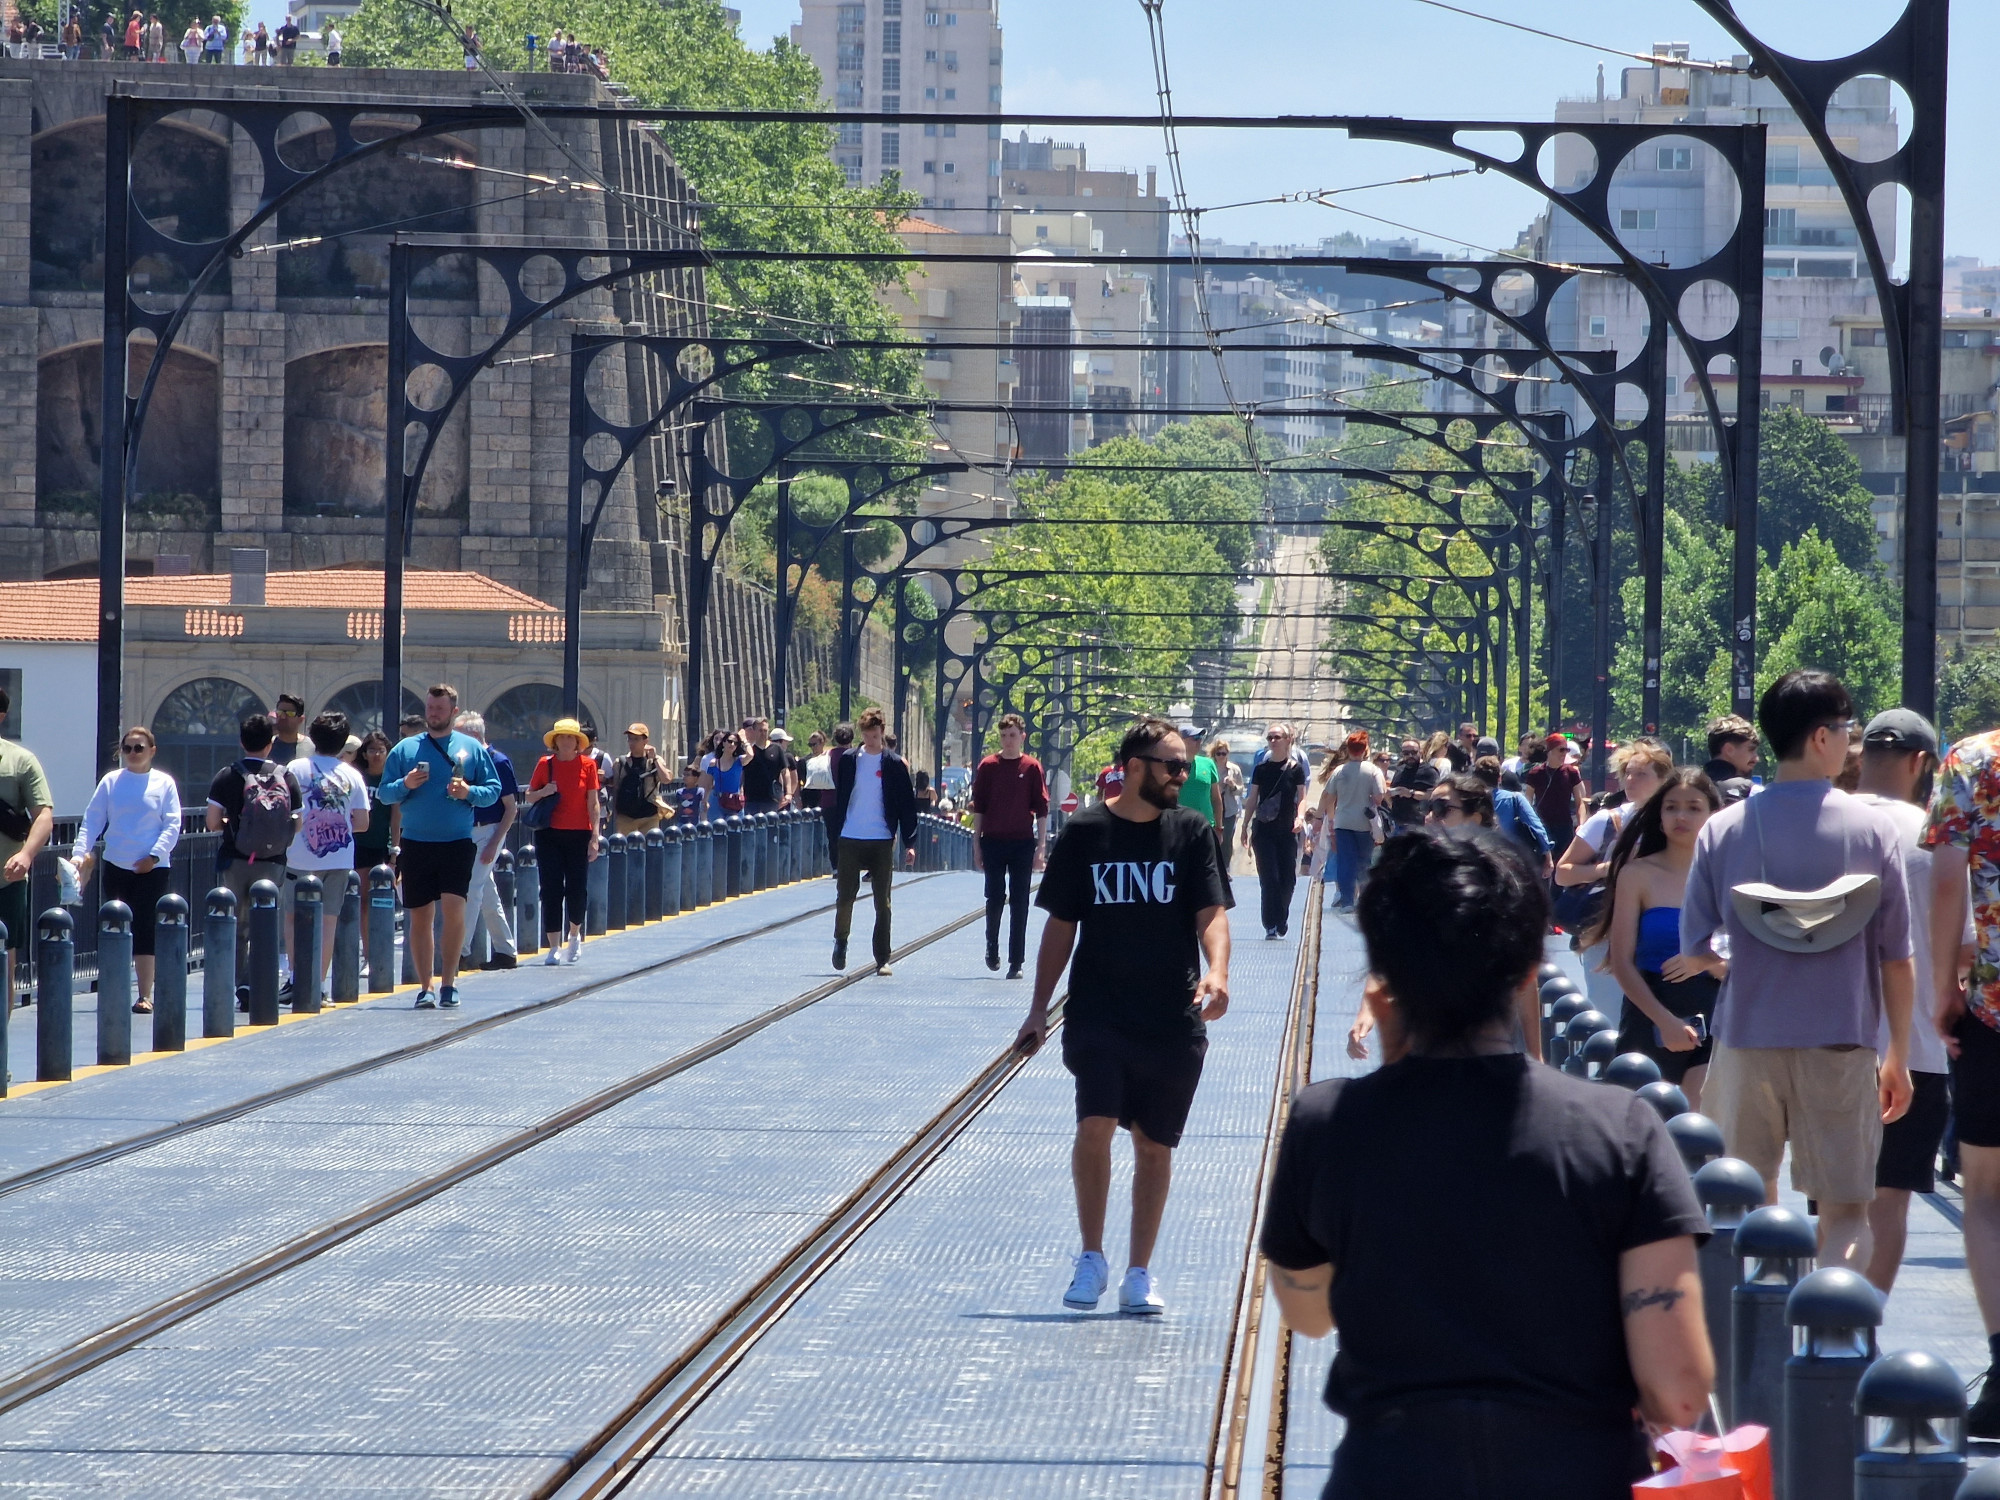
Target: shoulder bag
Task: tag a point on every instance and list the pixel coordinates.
(540, 814)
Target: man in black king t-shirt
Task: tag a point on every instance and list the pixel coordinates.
(1134, 886)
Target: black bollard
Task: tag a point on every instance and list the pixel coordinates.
(729, 879)
(1597, 1055)
(656, 875)
(346, 986)
(1834, 1313)
(1631, 1070)
(743, 857)
(1554, 987)
(381, 917)
(170, 974)
(1578, 1029)
(635, 881)
(527, 901)
(1555, 1046)
(1912, 1407)
(1666, 1098)
(774, 868)
(1549, 969)
(114, 984)
(597, 892)
(263, 953)
(308, 938)
(55, 969)
(614, 887)
(704, 863)
(218, 963)
(503, 887)
(788, 822)
(673, 871)
(1728, 1190)
(1697, 1138)
(1774, 1248)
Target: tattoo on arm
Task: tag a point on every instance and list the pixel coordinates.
(1662, 1297)
(1292, 1281)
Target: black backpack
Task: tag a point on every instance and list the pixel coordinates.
(630, 799)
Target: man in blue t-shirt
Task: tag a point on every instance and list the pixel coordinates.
(489, 837)
(439, 778)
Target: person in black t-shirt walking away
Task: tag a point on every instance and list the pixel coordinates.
(1452, 1380)
(1134, 887)
(1271, 823)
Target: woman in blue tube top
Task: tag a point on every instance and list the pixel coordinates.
(1668, 998)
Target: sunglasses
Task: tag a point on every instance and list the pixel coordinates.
(135, 748)
(1174, 765)
(1438, 807)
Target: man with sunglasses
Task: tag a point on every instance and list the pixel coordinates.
(1272, 818)
(1133, 885)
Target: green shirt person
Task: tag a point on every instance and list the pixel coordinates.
(1202, 790)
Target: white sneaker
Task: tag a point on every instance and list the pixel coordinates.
(553, 958)
(575, 950)
(1087, 1287)
(1137, 1294)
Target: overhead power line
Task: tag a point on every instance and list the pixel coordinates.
(1656, 58)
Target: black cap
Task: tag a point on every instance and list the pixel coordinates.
(1901, 729)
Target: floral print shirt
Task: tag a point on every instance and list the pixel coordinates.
(1965, 813)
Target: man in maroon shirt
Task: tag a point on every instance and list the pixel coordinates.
(1010, 822)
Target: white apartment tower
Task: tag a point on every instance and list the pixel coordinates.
(932, 57)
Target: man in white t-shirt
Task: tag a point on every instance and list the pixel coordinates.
(1899, 755)
(334, 810)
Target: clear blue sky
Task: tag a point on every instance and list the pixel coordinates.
(1399, 57)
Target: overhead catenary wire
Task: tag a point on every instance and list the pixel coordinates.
(1656, 58)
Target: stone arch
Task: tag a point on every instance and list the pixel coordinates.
(196, 725)
(179, 473)
(336, 412)
(362, 703)
(181, 180)
(517, 717)
(419, 197)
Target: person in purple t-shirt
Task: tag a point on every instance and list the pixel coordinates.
(1809, 982)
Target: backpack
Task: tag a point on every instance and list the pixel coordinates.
(631, 800)
(264, 828)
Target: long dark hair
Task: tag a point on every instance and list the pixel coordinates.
(1643, 834)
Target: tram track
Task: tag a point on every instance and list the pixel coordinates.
(606, 1464)
(98, 1156)
(1246, 1449)
(50, 1373)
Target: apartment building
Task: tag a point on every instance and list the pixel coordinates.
(974, 304)
(937, 58)
(1676, 202)
(1055, 177)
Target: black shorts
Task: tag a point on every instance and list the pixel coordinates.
(431, 870)
(142, 894)
(1148, 1082)
(1975, 1083)
(1685, 998)
(1908, 1159)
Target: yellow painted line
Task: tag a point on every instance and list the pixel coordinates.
(19, 1090)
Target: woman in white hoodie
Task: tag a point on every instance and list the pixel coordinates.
(136, 810)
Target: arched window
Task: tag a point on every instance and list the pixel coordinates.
(519, 717)
(197, 727)
(362, 703)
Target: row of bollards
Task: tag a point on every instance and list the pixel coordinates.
(649, 876)
(942, 844)
(1795, 1348)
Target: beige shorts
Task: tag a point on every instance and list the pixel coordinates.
(1820, 1099)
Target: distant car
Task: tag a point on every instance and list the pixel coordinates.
(954, 782)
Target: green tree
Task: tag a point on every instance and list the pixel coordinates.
(1808, 479)
(1969, 693)
(1819, 612)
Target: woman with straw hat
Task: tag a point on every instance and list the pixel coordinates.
(565, 837)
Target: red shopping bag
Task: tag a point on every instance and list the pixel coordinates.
(1735, 1467)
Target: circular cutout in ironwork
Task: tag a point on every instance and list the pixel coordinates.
(427, 388)
(1813, 29)
(1674, 201)
(602, 452)
(1877, 117)
(304, 141)
(1567, 162)
(541, 278)
(696, 363)
(1709, 309)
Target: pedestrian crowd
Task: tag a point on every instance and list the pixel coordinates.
(142, 37)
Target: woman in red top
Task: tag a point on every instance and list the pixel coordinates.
(567, 844)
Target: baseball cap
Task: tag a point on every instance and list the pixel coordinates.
(642, 730)
(1901, 729)
(1557, 741)
(1488, 746)
(781, 736)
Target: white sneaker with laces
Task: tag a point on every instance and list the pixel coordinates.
(575, 950)
(1087, 1287)
(554, 958)
(1137, 1294)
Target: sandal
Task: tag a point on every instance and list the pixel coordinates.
(142, 1008)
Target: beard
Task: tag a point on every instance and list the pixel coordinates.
(1161, 794)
